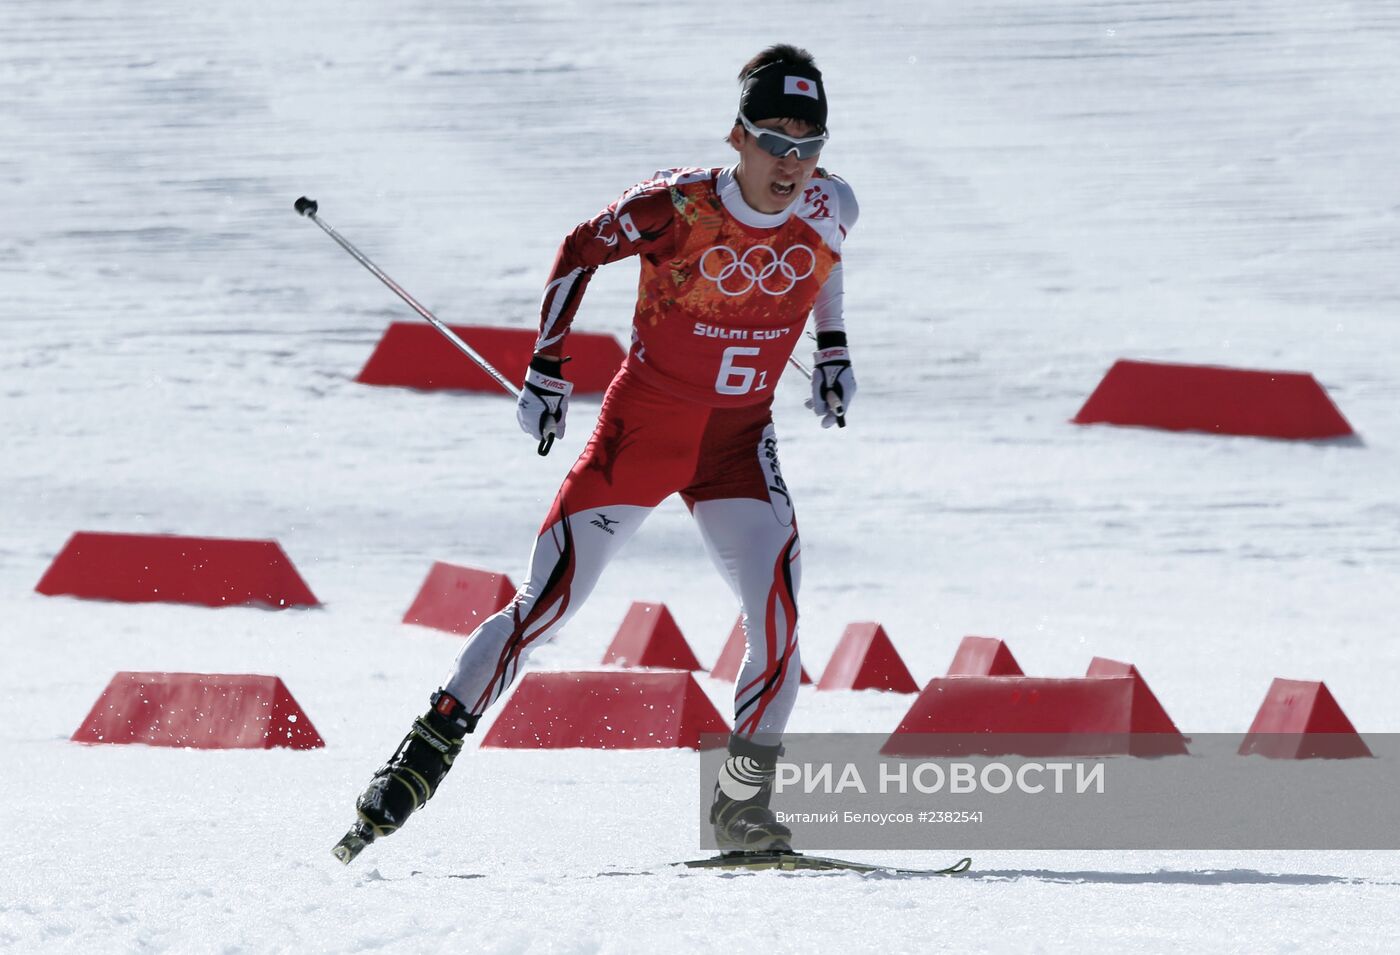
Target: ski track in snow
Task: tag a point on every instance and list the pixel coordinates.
(1043, 190)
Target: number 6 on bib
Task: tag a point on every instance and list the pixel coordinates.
(739, 379)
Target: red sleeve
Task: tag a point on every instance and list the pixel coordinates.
(641, 222)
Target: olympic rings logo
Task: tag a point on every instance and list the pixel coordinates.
(759, 265)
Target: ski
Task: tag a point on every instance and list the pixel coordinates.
(790, 861)
(350, 845)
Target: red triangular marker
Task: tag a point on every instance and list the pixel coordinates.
(865, 659)
(649, 637)
(731, 658)
(458, 599)
(983, 656)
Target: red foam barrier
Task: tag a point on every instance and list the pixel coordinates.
(199, 711)
(416, 355)
(457, 599)
(1235, 401)
(161, 568)
(1037, 716)
(605, 710)
(983, 656)
(1149, 716)
(865, 659)
(649, 637)
(1300, 719)
(731, 658)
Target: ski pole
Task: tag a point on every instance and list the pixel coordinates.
(308, 208)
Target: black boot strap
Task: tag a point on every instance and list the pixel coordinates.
(429, 735)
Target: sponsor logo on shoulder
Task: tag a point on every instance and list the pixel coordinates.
(816, 197)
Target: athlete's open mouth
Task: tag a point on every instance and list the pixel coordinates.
(783, 189)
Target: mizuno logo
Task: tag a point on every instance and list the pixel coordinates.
(603, 522)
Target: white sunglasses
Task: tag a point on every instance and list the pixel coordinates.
(776, 144)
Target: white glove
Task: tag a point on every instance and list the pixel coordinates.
(544, 401)
(833, 385)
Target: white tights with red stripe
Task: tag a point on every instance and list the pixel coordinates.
(758, 554)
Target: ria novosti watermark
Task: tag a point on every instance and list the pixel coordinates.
(840, 791)
(928, 778)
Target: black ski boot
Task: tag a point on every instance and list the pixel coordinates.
(740, 814)
(411, 776)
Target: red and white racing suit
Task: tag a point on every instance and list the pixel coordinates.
(723, 296)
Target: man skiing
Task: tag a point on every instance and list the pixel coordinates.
(732, 262)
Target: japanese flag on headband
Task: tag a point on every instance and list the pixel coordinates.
(800, 86)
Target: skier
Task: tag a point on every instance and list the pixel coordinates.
(732, 261)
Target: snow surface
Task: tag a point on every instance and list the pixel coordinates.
(1044, 188)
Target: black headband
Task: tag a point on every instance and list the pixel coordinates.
(784, 90)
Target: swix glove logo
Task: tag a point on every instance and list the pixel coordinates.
(735, 274)
(603, 522)
(778, 495)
